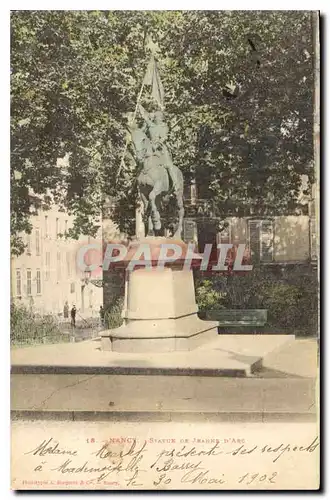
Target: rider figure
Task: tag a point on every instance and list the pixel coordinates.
(158, 132)
(142, 144)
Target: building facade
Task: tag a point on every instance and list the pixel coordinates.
(47, 275)
(277, 239)
(271, 240)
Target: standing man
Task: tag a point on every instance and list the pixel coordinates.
(102, 315)
(66, 310)
(73, 316)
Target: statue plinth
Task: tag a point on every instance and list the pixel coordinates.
(160, 308)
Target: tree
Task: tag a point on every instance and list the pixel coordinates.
(251, 147)
(238, 95)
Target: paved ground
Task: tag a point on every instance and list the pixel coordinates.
(298, 358)
(283, 388)
(234, 355)
(152, 394)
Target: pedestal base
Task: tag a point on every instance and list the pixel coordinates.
(179, 334)
(160, 308)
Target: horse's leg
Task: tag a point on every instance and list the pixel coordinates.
(155, 215)
(146, 214)
(177, 180)
(150, 226)
(179, 201)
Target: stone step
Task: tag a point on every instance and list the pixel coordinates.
(161, 393)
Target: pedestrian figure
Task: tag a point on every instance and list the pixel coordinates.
(73, 316)
(102, 315)
(66, 309)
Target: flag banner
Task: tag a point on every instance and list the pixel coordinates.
(152, 78)
(149, 73)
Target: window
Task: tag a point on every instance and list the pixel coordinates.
(72, 288)
(57, 227)
(47, 275)
(193, 193)
(18, 283)
(190, 193)
(38, 281)
(189, 230)
(261, 236)
(46, 226)
(66, 226)
(28, 282)
(224, 235)
(58, 266)
(28, 242)
(37, 241)
(68, 263)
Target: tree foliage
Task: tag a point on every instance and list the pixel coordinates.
(75, 75)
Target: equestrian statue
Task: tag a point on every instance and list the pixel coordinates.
(157, 175)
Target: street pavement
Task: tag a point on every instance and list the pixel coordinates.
(284, 387)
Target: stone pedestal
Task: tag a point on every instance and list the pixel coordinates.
(160, 307)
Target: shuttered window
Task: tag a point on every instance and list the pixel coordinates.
(28, 242)
(38, 277)
(37, 241)
(261, 240)
(254, 240)
(189, 230)
(68, 263)
(267, 239)
(46, 226)
(224, 236)
(18, 283)
(29, 282)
